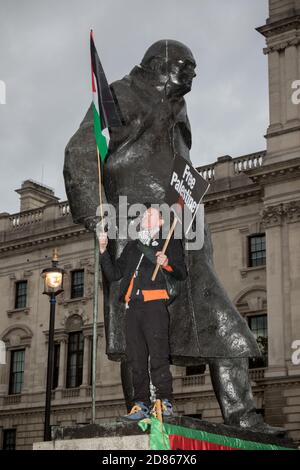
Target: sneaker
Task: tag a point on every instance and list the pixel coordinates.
(164, 407)
(167, 408)
(139, 411)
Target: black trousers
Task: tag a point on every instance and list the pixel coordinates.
(147, 334)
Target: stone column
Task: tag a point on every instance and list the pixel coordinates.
(292, 210)
(274, 89)
(62, 363)
(272, 220)
(283, 136)
(291, 58)
(4, 375)
(27, 377)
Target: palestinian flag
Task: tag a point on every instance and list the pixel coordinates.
(165, 436)
(104, 107)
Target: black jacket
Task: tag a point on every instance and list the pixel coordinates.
(126, 264)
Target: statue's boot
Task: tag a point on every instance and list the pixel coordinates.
(230, 380)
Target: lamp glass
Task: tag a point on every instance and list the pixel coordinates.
(53, 280)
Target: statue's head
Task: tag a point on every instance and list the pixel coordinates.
(173, 65)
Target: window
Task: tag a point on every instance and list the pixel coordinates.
(75, 360)
(259, 326)
(257, 250)
(9, 439)
(21, 294)
(77, 284)
(16, 371)
(195, 370)
(55, 365)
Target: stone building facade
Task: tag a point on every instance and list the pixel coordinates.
(253, 209)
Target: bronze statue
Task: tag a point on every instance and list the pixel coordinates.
(205, 327)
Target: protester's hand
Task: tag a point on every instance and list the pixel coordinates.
(103, 241)
(161, 259)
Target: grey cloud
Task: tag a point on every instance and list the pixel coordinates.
(44, 60)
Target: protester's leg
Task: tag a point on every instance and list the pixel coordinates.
(137, 353)
(156, 330)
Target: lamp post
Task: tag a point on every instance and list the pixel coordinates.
(53, 285)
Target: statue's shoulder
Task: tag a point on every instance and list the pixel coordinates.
(88, 119)
(122, 87)
(126, 98)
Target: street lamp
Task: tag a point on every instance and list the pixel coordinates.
(53, 285)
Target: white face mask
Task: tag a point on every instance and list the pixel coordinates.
(145, 236)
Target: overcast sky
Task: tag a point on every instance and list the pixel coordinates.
(44, 61)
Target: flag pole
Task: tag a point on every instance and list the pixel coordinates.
(165, 246)
(111, 118)
(96, 293)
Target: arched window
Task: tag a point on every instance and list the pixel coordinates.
(17, 340)
(75, 351)
(252, 304)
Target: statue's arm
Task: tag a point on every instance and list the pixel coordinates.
(114, 271)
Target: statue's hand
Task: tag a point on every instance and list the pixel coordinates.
(90, 223)
(103, 241)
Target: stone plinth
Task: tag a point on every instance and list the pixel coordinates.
(129, 436)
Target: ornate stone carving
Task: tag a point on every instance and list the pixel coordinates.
(73, 322)
(292, 211)
(285, 27)
(75, 318)
(281, 46)
(272, 215)
(20, 335)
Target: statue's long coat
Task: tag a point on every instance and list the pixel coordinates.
(203, 321)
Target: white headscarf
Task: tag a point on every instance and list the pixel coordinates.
(145, 236)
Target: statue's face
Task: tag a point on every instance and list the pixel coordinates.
(173, 66)
(181, 75)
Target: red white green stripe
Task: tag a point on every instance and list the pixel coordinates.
(165, 436)
(101, 139)
(104, 108)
